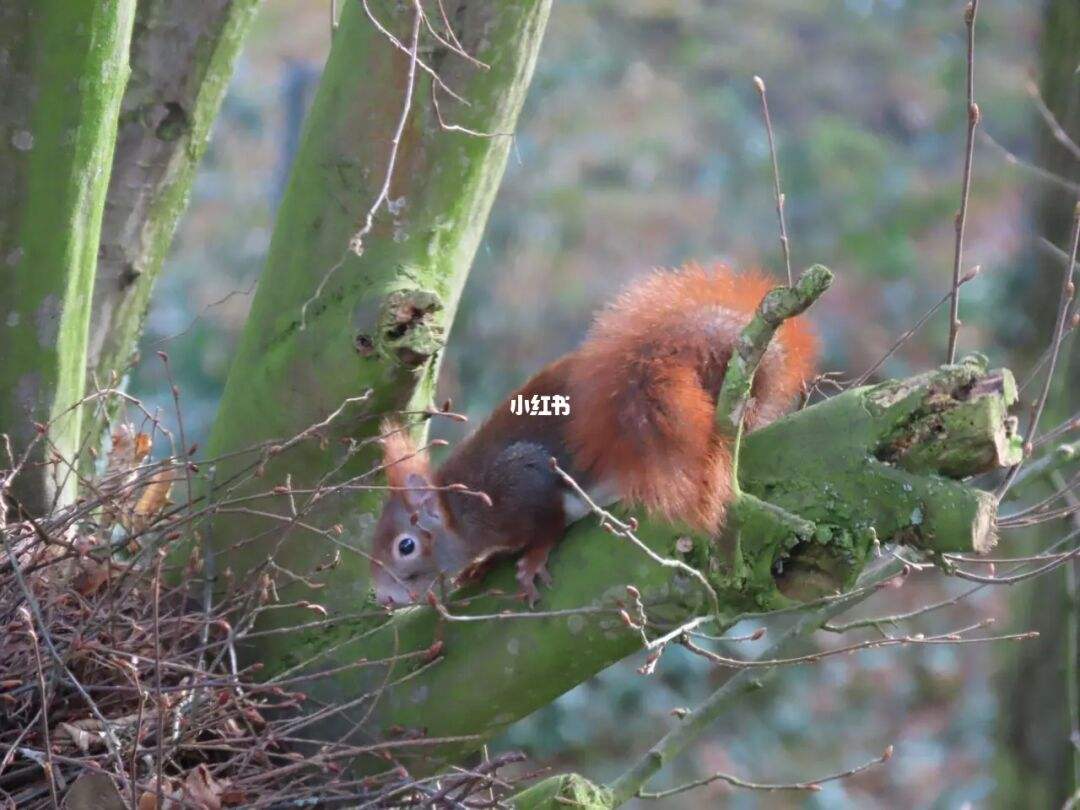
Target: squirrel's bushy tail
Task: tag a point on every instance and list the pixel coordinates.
(644, 384)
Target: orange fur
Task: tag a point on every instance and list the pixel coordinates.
(401, 457)
(644, 385)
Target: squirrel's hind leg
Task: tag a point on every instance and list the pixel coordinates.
(532, 566)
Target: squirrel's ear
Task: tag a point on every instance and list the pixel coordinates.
(421, 496)
(401, 458)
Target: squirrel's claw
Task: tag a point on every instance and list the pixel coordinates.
(530, 569)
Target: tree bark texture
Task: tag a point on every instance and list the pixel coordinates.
(182, 57)
(63, 67)
(326, 324)
(1038, 762)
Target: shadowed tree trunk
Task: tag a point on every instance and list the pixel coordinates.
(1039, 765)
(63, 66)
(182, 57)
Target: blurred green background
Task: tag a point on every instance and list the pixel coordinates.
(642, 145)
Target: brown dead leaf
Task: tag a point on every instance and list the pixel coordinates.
(251, 714)
(90, 576)
(143, 443)
(148, 801)
(153, 499)
(129, 449)
(122, 452)
(233, 798)
(173, 797)
(202, 789)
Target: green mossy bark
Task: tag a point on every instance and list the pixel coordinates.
(816, 497)
(382, 317)
(64, 67)
(182, 58)
(778, 306)
(561, 792)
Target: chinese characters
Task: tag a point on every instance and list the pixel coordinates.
(540, 405)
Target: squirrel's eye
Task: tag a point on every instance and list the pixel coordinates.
(406, 546)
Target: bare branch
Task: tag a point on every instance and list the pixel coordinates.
(961, 216)
(759, 83)
(1068, 292)
(812, 785)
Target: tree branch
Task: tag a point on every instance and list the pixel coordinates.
(182, 57)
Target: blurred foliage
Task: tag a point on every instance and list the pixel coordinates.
(642, 145)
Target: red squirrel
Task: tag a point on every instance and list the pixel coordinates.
(642, 392)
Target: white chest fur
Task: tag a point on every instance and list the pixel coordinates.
(603, 495)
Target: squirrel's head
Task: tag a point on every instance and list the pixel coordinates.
(413, 541)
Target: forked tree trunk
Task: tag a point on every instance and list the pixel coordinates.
(326, 324)
(182, 57)
(63, 66)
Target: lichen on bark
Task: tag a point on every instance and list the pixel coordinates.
(63, 66)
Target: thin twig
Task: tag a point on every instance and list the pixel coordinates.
(50, 767)
(159, 758)
(904, 338)
(634, 780)
(1056, 129)
(952, 637)
(812, 785)
(626, 530)
(1036, 171)
(969, 151)
(759, 83)
(1068, 291)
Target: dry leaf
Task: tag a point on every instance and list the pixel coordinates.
(202, 789)
(143, 443)
(90, 576)
(172, 799)
(122, 452)
(233, 798)
(153, 499)
(130, 449)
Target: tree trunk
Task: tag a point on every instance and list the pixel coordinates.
(182, 58)
(327, 324)
(64, 67)
(1038, 762)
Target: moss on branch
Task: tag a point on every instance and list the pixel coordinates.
(776, 307)
(816, 500)
(65, 67)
